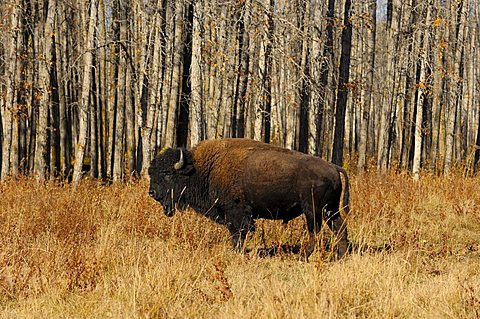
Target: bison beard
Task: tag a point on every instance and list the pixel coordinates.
(235, 181)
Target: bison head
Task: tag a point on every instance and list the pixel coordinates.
(169, 173)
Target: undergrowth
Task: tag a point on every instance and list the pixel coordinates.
(108, 251)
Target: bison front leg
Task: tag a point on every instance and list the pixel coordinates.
(239, 225)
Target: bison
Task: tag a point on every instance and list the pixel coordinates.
(236, 181)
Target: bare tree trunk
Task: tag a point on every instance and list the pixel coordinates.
(251, 105)
(437, 92)
(368, 101)
(153, 89)
(197, 119)
(121, 100)
(9, 89)
(228, 87)
(175, 89)
(183, 112)
(267, 80)
(406, 110)
(454, 84)
(238, 121)
(421, 87)
(93, 109)
(45, 43)
(10, 67)
(130, 141)
(388, 97)
(103, 100)
(305, 82)
(85, 93)
(342, 91)
(325, 66)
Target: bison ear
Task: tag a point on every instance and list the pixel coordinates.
(188, 170)
(187, 166)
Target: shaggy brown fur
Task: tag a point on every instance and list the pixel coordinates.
(235, 181)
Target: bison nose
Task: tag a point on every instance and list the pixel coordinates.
(151, 193)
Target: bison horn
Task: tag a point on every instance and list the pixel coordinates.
(179, 165)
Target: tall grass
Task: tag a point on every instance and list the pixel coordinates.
(108, 252)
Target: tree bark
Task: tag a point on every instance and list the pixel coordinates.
(175, 89)
(437, 92)
(267, 76)
(238, 121)
(305, 81)
(183, 112)
(421, 87)
(454, 83)
(85, 93)
(121, 101)
(8, 106)
(153, 97)
(368, 101)
(342, 91)
(197, 119)
(326, 62)
(45, 89)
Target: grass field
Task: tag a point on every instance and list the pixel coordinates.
(108, 252)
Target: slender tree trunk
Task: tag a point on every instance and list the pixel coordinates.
(228, 85)
(175, 89)
(93, 109)
(238, 121)
(407, 111)
(454, 85)
(55, 154)
(10, 67)
(130, 141)
(421, 87)
(183, 112)
(153, 89)
(437, 92)
(368, 101)
(267, 80)
(305, 82)
(44, 90)
(383, 129)
(342, 91)
(85, 93)
(121, 101)
(326, 61)
(102, 92)
(197, 120)
(62, 75)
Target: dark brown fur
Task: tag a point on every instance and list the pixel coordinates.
(235, 181)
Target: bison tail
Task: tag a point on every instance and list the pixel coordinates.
(346, 194)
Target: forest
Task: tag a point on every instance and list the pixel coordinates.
(99, 87)
(92, 90)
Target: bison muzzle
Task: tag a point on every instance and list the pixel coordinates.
(235, 181)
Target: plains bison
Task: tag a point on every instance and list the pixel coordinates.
(235, 181)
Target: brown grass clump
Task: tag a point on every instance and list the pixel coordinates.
(108, 252)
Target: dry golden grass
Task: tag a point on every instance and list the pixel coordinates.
(108, 252)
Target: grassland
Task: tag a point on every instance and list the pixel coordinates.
(108, 252)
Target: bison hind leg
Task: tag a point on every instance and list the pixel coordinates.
(337, 225)
(314, 224)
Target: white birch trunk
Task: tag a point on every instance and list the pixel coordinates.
(86, 84)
